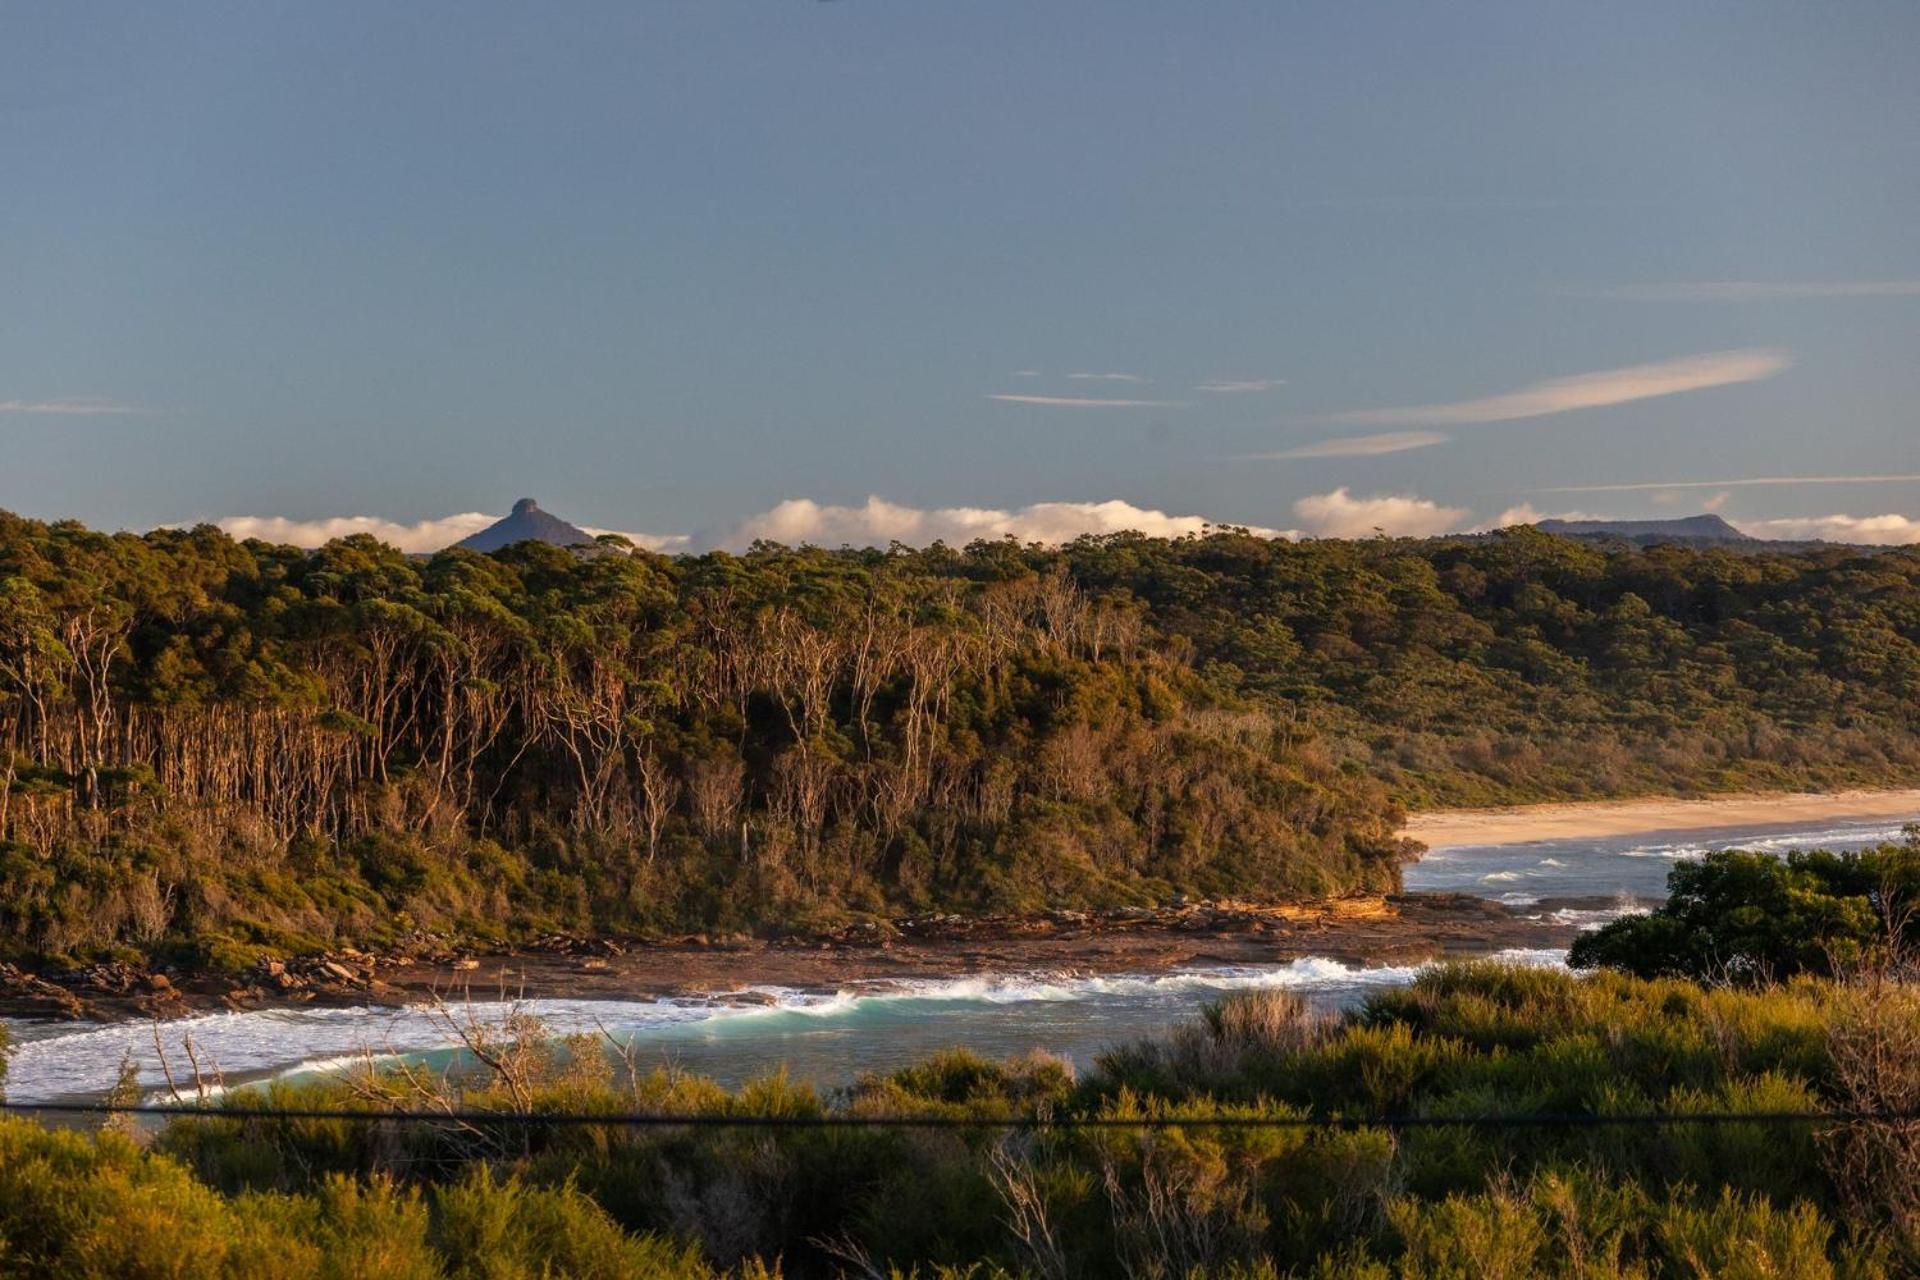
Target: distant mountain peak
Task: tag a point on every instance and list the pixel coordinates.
(1701, 528)
(528, 523)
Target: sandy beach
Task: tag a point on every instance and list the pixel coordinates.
(1524, 823)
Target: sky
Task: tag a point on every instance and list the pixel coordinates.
(858, 270)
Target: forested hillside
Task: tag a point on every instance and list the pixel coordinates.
(225, 747)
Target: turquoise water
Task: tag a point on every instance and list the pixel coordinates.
(1630, 868)
(830, 1037)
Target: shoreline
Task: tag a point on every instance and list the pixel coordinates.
(1397, 929)
(1572, 820)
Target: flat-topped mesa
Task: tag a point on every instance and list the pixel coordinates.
(1707, 530)
(527, 523)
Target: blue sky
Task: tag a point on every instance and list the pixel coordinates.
(668, 265)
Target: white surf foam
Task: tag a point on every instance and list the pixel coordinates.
(86, 1060)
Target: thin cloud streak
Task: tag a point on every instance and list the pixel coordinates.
(1086, 402)
(72, 406)
(1749, 482)
(1585, 390)
(1759, 290)
(1107, 377)
(1353, 446)
(1243, 386)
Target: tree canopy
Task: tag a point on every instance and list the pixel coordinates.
(262, 746)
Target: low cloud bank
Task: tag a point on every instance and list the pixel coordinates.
(878, 522)
(420, 538)
(1342, 515)
(427, 535)
(1878, 531)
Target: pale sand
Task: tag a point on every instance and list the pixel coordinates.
(1524, 823)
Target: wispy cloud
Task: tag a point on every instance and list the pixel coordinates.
(1585, 390)
(1087, 402)
(1747, 482)
(70, 406)
(1342, 515)
(1760, 290)
(1227, 387)
(1354, 446)
(1026, 373)
(1882, 530)
(1107, 377)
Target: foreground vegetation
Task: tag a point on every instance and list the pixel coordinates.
(212, 751)
(1754, 918)
(318, 1198)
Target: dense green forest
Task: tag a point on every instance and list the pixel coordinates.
(1821, 1200)
(214, 748)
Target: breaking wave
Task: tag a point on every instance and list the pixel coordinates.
(84, 1060)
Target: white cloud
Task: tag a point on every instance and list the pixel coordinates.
(798, 520)
(1080, 402)
(1341, 515)
(1355, 446)
(878, 522)
(1026, 373)
(1648, 486)
(1107, 377)
(1761, 290)
(1527, 513)
(427, 535)
(1585, 390)
(1885, 530)
(1241, 386)
(71, 406)
(669, 543)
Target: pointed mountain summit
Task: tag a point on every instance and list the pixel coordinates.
(528, 523)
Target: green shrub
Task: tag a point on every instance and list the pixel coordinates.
(1753, 917)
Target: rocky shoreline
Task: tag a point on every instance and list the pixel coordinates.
(1397, 929)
